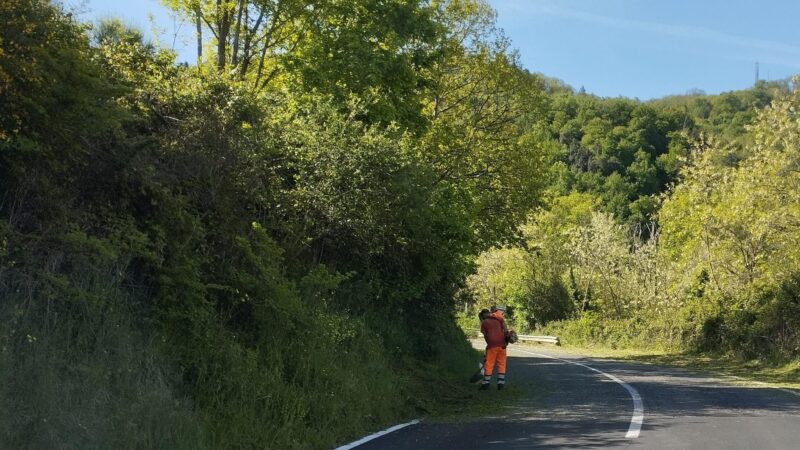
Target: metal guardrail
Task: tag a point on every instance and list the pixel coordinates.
(544, 339)
(530, 338)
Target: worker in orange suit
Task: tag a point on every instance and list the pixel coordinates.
(495, 332)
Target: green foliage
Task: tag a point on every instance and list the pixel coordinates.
(667, 224)
(80, 374)
(199, 258)
(626, 151)
(375, 49)
(734, 223)
(768, 329)
(114, 31)
(717, 272)
(503, 277)
(726, 115)
(484, 141)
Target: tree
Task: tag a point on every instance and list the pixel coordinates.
(483, 138)
(114, 31)
(374, 50)
(735, 221)
(250, 35)
(643, 174)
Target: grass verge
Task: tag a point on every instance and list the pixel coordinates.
(773, 373)
(447, 395)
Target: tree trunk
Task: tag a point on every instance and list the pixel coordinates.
(235, 52)
(199, 26)
(248, 40)
(261, 65)
(223, 25)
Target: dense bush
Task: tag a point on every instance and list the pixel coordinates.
(769, 329)
(191, 258)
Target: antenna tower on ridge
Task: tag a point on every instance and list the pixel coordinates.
(756, 72)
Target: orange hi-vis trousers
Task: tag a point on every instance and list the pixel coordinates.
(495, 355)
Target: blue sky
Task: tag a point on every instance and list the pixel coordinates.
(652, 48)
(634, 48)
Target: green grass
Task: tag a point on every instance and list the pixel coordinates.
(736, 370)
(466, 403)
(451, 397)
(777, 374)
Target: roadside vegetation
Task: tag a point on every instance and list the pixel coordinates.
(668, 226)
(733, 369)
(260, 250)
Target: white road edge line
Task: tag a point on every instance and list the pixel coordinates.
(376, 435)
(761, 383)
(638, 407)
(790, 391)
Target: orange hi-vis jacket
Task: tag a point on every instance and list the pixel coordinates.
(494, 330)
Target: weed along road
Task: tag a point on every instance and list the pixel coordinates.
(575, 402)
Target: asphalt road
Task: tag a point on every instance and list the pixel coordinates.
(583, 408)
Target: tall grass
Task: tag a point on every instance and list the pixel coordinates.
(78, 375)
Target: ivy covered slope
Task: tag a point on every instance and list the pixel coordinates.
(260, 251)
(666, 225)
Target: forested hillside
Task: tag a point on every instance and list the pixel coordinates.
(667, 224)
(260, 251)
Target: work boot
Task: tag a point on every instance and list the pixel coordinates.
(484, 387)
(501, 386)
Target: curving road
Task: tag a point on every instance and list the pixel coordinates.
(590, 403)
